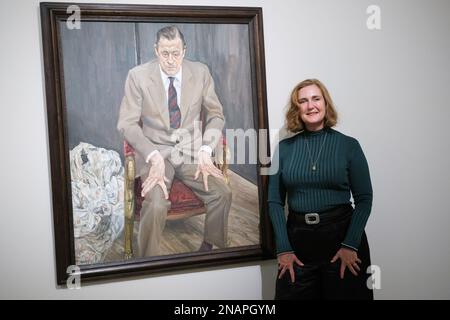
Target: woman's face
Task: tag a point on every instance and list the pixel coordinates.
(312, 107)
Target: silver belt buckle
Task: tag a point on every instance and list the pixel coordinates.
(312, 218)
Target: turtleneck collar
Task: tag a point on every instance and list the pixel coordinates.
(316, 133)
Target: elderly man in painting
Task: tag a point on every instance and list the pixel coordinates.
(159, 111)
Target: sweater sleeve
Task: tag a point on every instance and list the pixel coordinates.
(276, 199)
(361, 188)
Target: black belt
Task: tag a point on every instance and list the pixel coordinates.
(325, 217)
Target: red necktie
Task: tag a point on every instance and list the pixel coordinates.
(174, 110)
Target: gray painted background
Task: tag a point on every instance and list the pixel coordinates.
(96, 60)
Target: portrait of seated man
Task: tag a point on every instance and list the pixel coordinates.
(160, 116)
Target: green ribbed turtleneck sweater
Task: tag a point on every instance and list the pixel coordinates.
(341, 171)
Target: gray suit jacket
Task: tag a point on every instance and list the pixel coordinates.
(144, 114)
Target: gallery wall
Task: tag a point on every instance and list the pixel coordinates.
(390, 86)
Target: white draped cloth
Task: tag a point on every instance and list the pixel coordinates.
(97, 197)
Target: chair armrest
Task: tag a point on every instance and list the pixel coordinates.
(129, 199)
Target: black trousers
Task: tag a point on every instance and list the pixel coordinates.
(315, 245)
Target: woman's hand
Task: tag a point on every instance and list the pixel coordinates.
(349, 259)
(286, 262)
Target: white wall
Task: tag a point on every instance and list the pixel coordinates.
(390, 87)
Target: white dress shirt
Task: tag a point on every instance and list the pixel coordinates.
(176, 83)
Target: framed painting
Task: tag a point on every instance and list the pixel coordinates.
(126, 86)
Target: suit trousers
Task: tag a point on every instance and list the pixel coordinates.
(155, 207)
(315, 245)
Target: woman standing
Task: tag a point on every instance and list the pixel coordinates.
(322, 249)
